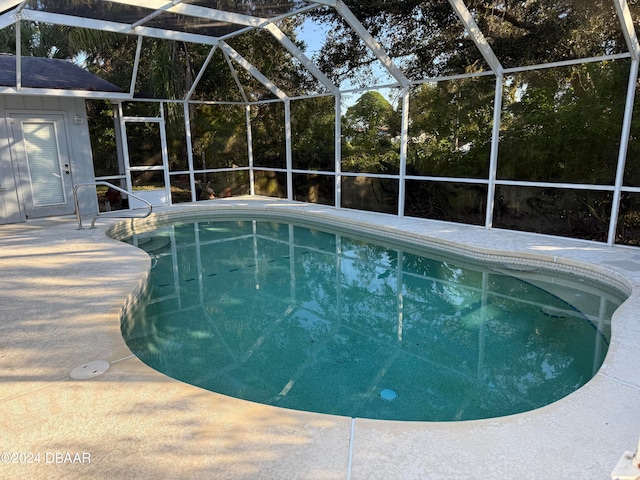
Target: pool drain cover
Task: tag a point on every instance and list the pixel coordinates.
(388, 394)
(89, 370)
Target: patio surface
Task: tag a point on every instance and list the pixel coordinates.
(62, 294)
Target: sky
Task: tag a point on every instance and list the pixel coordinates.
(313, 35)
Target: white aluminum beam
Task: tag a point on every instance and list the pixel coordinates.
(297, 53)
(266, 22)
(288, 149)
(7, 19)
(328, 3)
(493, 156)
(189, 139)
(252, 180)
(292, 13)
(165, 154)
(195, 11)
(478, 37)
(253, 71)
(196, 81)
(622, 151)
(487, 53)
(236, 79)
(628, 30)
(404, 145)
(631, 38)
(371, 42)
(136, 64)
(56, 92)
(122, 130)
(155, 13)
(21, 6)
(115, 27)
(337, 165)
(18, 56)
(566, 63)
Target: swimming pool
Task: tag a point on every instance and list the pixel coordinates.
(367, 318)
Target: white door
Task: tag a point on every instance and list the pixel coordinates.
(44, 168)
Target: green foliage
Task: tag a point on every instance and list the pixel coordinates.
(103, 137)
(567, 212)
(429, 39)
(38, 40)
(369, 129)
(266, 53)
(450, 128)
(268, 135)
(176, 137)
(313, 133)
(370, 115)
(570, 121)
(219, 136)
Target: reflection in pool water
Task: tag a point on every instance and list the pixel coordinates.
(305, 318)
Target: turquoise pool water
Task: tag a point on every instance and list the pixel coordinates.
(306, 318)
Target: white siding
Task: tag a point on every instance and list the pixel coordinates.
(77, 132)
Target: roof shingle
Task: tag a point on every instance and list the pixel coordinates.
(51, 73)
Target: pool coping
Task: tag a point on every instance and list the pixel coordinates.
(180, 431)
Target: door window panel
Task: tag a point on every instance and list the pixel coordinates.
(44, 163)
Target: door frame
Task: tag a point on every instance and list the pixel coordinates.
(156, 198)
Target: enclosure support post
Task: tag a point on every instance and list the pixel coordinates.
(622, 152)
(125, 148)
(338, 152)
(288, 153)
(631, 38)
(189, 140)
(404, 141)
(165, 154)
(493, 161)
(487, 52)
(252, 185)
(117, 125)
(18, 56)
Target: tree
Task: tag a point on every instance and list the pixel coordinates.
(369, 127)
(313, 133)
(450, 128)
(428, 39)
(570, 119)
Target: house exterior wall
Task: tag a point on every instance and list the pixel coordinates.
(78, 142)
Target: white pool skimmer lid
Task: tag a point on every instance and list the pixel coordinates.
(90, 370)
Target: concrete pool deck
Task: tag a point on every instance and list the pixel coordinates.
(63, 291)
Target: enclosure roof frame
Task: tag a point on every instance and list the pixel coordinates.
(16, 11)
